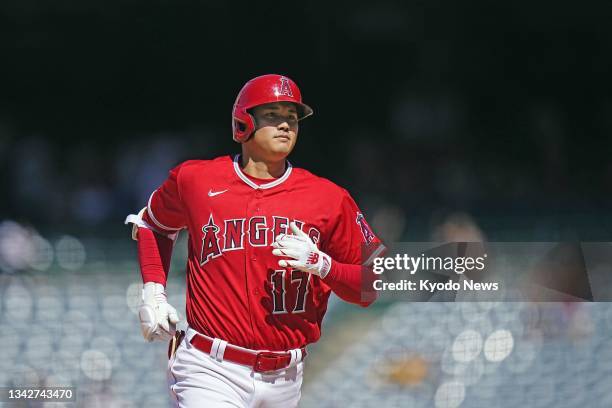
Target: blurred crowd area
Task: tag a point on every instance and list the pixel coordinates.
(483, 354)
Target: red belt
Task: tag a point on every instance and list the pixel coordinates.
(261, 361)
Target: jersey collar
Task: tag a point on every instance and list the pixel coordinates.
(256, 186)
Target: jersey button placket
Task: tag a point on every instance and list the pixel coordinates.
(253, 209)
(257, 211)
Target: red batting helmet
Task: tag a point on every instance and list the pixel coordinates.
(261, 90)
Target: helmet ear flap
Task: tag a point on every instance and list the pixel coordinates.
(243, 126)
(240, 126)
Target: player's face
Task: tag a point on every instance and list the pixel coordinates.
(277, 128)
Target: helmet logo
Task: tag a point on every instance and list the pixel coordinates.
(285, 88)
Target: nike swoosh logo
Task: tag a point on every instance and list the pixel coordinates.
(215, 193)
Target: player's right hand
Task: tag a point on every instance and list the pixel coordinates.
(158, 318)
(303, 252)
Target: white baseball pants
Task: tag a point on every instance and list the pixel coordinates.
(198, 380)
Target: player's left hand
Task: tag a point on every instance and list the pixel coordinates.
(306, 256)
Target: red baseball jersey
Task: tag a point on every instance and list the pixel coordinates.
(236, 291)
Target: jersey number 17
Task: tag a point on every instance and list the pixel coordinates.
(279, 290)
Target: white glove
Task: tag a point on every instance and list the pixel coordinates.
(306, 256)
(158, 318)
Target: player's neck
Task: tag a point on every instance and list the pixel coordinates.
(262, 169)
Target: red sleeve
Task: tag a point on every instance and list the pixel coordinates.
(346, 282)
(165, 209)
(352, 245)
(349, 239)
(154, 254)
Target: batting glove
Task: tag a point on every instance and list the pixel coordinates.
(303, 251)
(158, 318)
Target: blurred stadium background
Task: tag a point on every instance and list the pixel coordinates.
(446, 121)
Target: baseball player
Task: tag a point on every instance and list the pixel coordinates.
(268, 243)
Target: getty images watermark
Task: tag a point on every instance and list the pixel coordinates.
(412, 264)
(490, 271)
